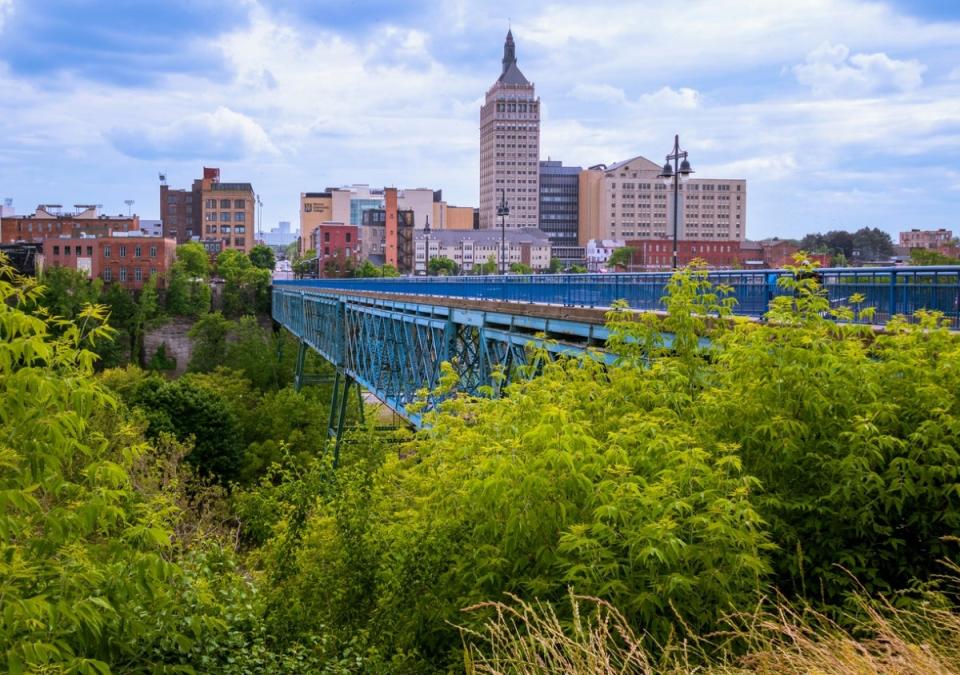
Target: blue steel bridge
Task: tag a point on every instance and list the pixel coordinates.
(389, 336)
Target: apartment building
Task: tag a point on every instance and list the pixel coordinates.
(51, 221)
(510, 147)
(627, 200)
(470, 249)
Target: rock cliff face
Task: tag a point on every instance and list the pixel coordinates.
(178, 345)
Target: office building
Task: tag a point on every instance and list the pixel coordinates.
(50, 221)
(560, 210)
(627, 200)
(510, 147)
(470, 249)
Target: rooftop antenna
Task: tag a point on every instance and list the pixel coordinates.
(129, 203)
(163, 177)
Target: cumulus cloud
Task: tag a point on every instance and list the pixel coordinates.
(831, 70)
(603, 93)
(667, 97)
(221, 135)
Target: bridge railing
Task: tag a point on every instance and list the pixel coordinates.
(889, 290)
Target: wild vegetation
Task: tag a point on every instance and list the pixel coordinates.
(780, 499)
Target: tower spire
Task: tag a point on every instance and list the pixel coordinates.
(509, 51)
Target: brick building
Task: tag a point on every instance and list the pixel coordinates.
(50, 221)
(210, 210)
(656, 254)
(127, 260)
(934, 239)
(337, 246)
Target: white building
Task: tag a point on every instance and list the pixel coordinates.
(471, 248)
(599, 252)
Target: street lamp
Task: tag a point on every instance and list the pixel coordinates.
(503, 211)
(679, 171)
(426, 247)
(260, 219)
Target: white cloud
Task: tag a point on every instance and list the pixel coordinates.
(6, 9)
(666, 97)
(831, 70)
(221, 135)
(603, 93)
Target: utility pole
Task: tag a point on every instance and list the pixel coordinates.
(503, 211)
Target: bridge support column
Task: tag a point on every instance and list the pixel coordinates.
(339, 402)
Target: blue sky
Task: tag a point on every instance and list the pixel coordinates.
(839, 113)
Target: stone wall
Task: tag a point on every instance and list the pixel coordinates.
(174, 335)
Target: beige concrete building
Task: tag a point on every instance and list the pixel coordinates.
(510, 147)
(227, 213)
(628, 201)
(315, 208)
(446, 217)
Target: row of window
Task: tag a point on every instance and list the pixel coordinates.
(225, 217)
(227, 203)
(121, 250)
(124, 273)
(227, 229)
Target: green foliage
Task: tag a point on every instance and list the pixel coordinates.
(556, 266)
(194, 260)
(442, 267)
(246, 288)
(368, 269)
(577, 269)
(520, 268)
(262, 256)
(622, 257)
(160, 361)
(925, 256)
(187, 295)
(489, 267)
(864, 244)
(150, 311)
(209, 336)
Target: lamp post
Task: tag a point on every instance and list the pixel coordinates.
(503, 211)
(679, 171)
(260, 219)
(426, 248)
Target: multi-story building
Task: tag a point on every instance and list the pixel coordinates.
(926, 238)
(627, 200)
(337, 246)
(470, 249)
(449, 217)
(210, 211)
(315, 208)
(373, 234)
(560, 209)
(510, 147)
(50, 221)
(125, 258)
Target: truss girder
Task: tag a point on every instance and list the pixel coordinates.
(395, 349)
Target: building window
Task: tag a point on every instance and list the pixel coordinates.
(138, 274)
(326, 236)
(238, 241)
(89, 250)
(224, 203)
(123, 253)
(348, 237)
(107, 274)
(211, 216)
(211, 203)
(137, 251)
(224, 217)
(123, 274)
(225, 229)
(153, 271)
(326, 250)
(106, 254)
(239, 203)
(153, 251)
(56, 250)
(240, 217)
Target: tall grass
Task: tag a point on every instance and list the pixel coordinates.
(872, 636)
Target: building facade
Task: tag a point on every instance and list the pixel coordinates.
(628, 201)
(337, 246)
(210, 210)
(471, 249)
(49, 221)
(128, 260)
(926, 238)
(510, 147)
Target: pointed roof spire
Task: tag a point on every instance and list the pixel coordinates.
(509, 51)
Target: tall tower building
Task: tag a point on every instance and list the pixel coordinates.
(510, 147)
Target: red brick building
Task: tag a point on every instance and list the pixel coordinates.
(657, 254)
(337, 246)
(49, 221)
(128, 260)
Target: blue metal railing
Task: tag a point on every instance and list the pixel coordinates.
(889, 290)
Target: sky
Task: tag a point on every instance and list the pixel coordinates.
(840, 114)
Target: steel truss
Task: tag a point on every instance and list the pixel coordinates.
(394, 349)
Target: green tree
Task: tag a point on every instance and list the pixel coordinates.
(520, 268)
(194, 259)
(556, 266)
(366, 269)
(925, 256)
(209, 336)
(246, 288)
(187, 295)
(262, 256)
(622, 257)
(442, 266)
(577, 269)
(488, 267)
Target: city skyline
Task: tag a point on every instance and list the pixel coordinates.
(840, 114)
